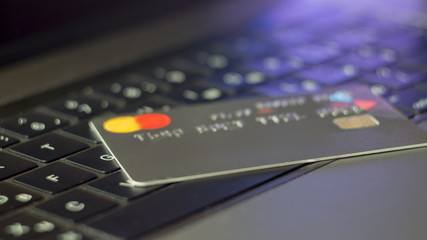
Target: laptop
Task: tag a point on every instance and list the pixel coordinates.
(65, 63)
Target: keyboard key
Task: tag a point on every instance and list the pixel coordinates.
(49, 148)
(240, 80)
(132, 90)
(212, 61)
(11, 165)
(380, 90)
(122, 90)
(275, 67)
(31, 124)
(82, 130)
(198, 94)
(76, 205)
(171, 76)
(330, 74)
(196, 62)
(381, 30)
(6, 140)
(66, 235)
(116, 184)
(55, 177)
(393, 78)
(410, 43)
(172, 203)
(12, 197)
(289, 86)
(25, 226)
(353, 38)
(98, 159)
(148, 106)
(81, 107)
(315, 53)
(411, 99)
(369, 59)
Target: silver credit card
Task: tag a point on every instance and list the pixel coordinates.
(245, 135)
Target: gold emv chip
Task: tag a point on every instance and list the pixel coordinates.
(356, 122)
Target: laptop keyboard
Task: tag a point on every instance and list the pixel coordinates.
(59, 182)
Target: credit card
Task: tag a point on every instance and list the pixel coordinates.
(230, 137)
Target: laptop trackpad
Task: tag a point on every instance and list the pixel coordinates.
(236, 136)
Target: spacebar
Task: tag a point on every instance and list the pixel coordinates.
(174, 202)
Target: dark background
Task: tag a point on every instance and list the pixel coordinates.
(29, 27)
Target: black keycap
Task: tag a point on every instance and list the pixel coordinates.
(393, 78)
(6, 140)
(289, 86)
(13, 196)
(98, 159)
(149, 85)
(11, 165)
(127, 91)
(55, 177)
(410, 43)
(116, 184)
(76, 205)
(411, 99)
(31, 124)
(207, 61)
(275, 67)
(315, 53)
(25, 226)
(66, 235)
(380, 90)
(83, 130)
(149, 106)
(199, 62)
(329, 74)
(169, 75)
(81, 107)
(240, 80)
(197, 94)
(49, 148)
(353, 38)
(369, 59)
(172, 203)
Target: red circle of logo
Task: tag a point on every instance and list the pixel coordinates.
(152, 120)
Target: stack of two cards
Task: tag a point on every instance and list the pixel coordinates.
(246, 135)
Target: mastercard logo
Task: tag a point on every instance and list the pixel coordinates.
(127, 124)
